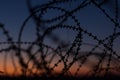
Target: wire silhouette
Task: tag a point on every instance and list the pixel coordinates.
(46, 59)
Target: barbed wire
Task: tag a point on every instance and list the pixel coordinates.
(41, 59)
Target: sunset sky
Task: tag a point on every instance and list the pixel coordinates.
(14, 12)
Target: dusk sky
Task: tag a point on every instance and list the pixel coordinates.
(14, 12)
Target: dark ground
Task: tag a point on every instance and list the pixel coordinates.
(60, 78)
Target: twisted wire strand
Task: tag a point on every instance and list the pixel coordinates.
(45, 59)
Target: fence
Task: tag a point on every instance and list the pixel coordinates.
(62, 46)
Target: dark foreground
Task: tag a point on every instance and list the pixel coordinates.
(60, 78)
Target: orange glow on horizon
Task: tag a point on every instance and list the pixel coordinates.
(84, 70)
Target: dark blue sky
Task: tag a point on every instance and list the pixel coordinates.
(12, 15)
(14, 12)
